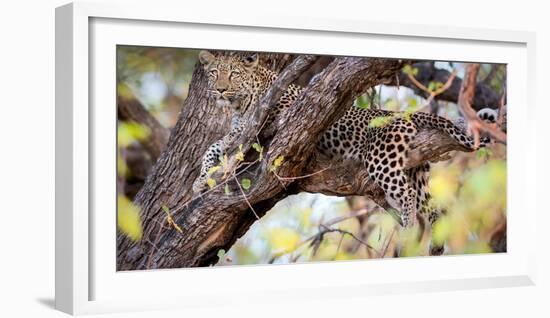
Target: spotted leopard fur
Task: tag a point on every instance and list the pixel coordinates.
(238, 84)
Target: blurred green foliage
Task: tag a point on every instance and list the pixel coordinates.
(128, 216)
(158, 77)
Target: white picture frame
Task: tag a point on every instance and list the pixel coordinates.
(87, 282)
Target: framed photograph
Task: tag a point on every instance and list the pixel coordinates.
(204, 160)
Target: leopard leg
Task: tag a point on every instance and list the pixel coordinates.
(212, 156)
(399, 194)
(209, 160)
(386, 159)
(435, 249)
(419, 178)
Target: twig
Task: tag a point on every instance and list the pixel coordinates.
(346, 217)
(432, 94)
(301, 177)
(245, 198)
(321, 233)
(329, 229)
(339, 245)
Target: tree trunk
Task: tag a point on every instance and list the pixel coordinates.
(215, 220)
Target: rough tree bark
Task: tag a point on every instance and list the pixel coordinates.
(215, 220)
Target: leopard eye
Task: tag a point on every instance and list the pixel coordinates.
(214, 72)
(235, 73)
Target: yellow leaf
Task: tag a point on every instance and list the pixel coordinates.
(122, 168)
(211, 182)
(170, 219)
(173, 223)
(278, 161)
(128, 132)
(124, 91)
(283, 240)
(343, 256)
(213, 169)
(128, 219)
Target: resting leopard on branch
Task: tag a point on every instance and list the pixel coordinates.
(238, 83)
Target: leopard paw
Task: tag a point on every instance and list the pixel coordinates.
(199, 185)
(436, 250)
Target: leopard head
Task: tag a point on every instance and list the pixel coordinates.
(230, 79)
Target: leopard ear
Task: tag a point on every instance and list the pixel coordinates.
(206, 58)
(251, 61)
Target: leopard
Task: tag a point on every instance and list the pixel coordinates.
(378, 139)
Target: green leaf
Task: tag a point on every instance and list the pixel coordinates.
(431, 86)
(363, 102)
(128, 218)
(258, 149)
(483, 153)
(409, 70)
(165, 209)
(245, 183)
(221, 254)
(380, 121)
(226, 189)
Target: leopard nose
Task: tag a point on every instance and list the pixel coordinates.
(221, 90)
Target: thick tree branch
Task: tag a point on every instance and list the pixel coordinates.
(350, 178)
(484, 96)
